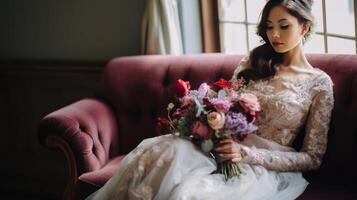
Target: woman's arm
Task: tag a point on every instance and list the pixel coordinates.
(315, 141)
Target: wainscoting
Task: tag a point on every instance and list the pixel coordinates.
(29, 91)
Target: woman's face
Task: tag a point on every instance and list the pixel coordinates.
(283, 30)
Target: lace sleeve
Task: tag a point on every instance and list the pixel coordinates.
(315, 141)
(244, 63)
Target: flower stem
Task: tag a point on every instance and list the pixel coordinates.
(228, 169)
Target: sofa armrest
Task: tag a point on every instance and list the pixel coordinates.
(86, 131)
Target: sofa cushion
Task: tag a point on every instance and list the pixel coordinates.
(328, 191)
(100, 177)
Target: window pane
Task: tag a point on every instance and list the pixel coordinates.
(315, 44)
(340, 17)
(317, 11)
(233, 38)
(231, 10)
(254, 39)
(342, 46)
(254, 9)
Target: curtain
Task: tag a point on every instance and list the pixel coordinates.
(161, 32)
(190, 18)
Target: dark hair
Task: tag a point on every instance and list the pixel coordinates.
(264, 59)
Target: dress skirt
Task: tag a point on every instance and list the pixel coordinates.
(171, 168)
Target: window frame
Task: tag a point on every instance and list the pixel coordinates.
(324, 32)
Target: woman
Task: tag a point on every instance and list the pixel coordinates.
(293, 96)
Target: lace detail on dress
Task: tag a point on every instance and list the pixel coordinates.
(285, 102)
(141, 163)
(289, 104)
(317, 126)
(278, 160)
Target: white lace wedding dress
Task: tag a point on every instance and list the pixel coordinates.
(166, 167)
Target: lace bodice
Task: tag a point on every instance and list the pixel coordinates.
(289, 104)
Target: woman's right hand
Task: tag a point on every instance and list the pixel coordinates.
(228, 149)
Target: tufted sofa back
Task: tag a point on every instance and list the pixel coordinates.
(140, 87)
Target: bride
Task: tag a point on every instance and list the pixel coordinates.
(293, 95)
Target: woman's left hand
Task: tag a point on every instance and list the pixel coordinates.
(228, 149)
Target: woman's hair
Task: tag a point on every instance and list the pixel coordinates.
(263, 59)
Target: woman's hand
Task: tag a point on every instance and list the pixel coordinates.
(228, 149)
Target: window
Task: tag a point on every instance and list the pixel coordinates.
(335, 31)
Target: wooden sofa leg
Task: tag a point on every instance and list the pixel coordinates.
(56, 142)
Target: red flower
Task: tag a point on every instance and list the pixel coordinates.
(208, 104)
(222, 83)
(162, 126)
(182, 88)
(252, 117)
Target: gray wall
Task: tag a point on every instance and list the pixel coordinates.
(81, 30)
(52, 53)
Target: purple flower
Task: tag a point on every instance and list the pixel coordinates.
(238, 124)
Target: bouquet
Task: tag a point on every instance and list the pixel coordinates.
(213, 112)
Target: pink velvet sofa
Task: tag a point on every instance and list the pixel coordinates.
(96, 133)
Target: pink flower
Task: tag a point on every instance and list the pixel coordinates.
(186, 101)
(216, 120)
(203, 90)
(237, 84)
(182, 88)
(249, 102)
(230, 92)
(200, 129)
(183, 112)
(221, 105)
(187, 107)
